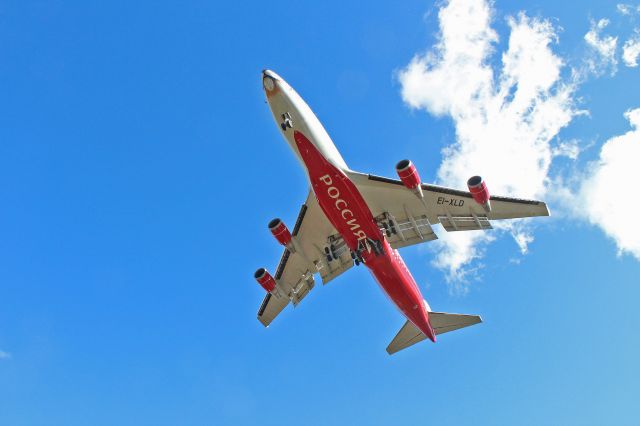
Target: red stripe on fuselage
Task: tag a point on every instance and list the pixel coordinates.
(347, 211)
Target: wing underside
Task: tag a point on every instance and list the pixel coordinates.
(318, 249)
(408, 220)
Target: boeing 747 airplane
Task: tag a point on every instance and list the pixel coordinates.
(352, 218)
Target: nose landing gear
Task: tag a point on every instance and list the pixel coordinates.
(286, 123)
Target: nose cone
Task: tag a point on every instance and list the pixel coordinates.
(270, 73)
(270, 81)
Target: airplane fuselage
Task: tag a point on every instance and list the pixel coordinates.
(341, 201)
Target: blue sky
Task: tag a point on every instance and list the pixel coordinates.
(139, 166)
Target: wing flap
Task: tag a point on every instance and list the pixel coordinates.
(332, 269)
(464, 223)
(407, 229)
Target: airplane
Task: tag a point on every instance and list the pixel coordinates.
(351, 218)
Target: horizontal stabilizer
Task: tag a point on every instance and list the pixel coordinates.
(441, 322)
(407, 336)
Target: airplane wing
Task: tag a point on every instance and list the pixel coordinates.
(407, 220)
(316, 241)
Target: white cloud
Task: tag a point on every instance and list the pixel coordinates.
(627, 9)
(631, 51)
(624, 9)
(454, 72)
(608, 192)
(455, 251)
(4, 355)
(523, 239)
(569, 149)
(504, 123)
(603, 57)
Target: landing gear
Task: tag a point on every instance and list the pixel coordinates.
(376, 246)
(387, 224)
(327, 253)
(330, 252)
(368, 246)
(286, 123)
(387, 230)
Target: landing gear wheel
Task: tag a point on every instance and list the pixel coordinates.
(387, 231)
(393, 229)
(329, 253)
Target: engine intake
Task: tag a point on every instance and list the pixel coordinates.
(479, 192)
(409, 176)
(265, 280)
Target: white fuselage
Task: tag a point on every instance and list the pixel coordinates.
(283, 99)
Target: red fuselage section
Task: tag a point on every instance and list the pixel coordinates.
(347, 211)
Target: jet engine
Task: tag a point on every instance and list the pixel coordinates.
(265, 279)
(409, 176)
(282, 234)
(479, 192)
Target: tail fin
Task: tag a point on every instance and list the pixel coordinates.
(441, 322)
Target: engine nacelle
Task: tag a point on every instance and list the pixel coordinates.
(479, 192)
(265, 280)
(282, 234)
(409, 176)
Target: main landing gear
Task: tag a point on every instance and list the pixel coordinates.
(368, 246)
(330, 252)
(389, 228)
